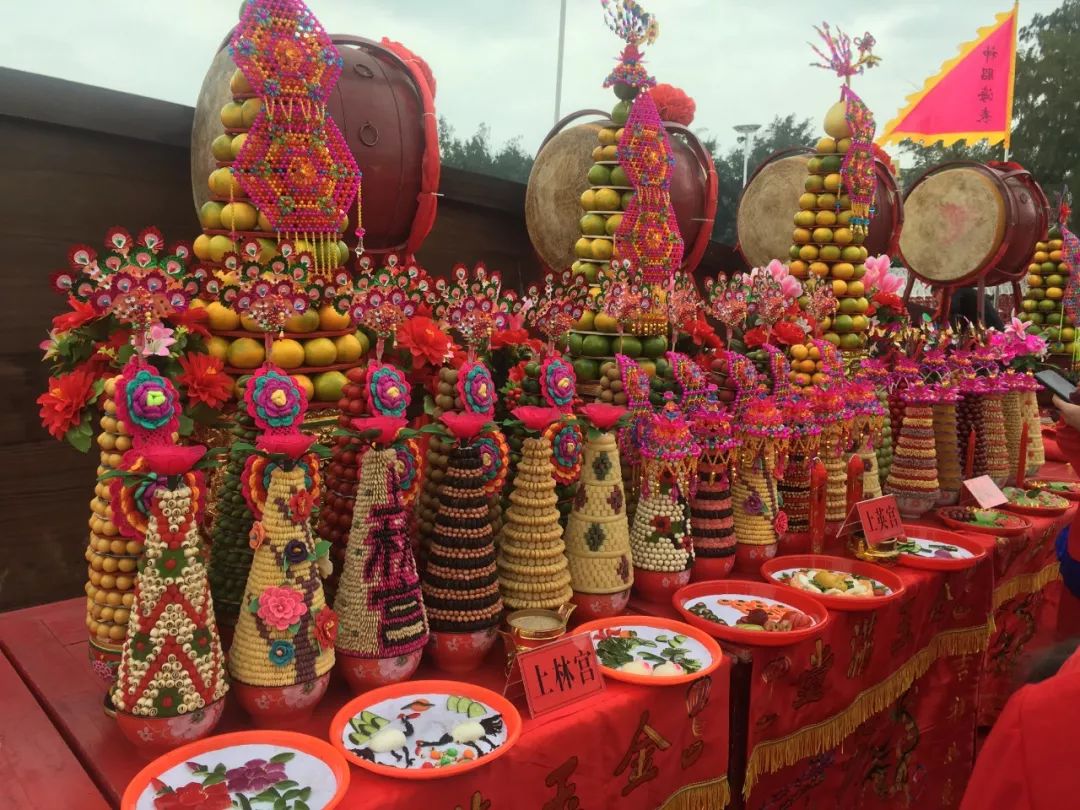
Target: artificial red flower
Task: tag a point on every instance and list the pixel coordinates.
(534, 418)
(889, 300)
(205, 380)
(755, 337)
(326, 628)
(425, 341)
(673, 104)
(788, 333)
(281, 607)
(80, 313)
(257, 535)
(386, 427)
(517, 372)
(195, 319)
(602, 415)
(62, 404)
(464, 426)
(701, 333)
(171, 459)
(510, 337)
(195, 796)
(300, 505)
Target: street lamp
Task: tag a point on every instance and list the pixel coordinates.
(746, 138)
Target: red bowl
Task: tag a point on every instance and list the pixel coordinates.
(592, 606)
(1038, 511)
(279, 706)
(363, 674)
(165, 733)
(709, 568)
(977, 550)
(842, 603)
(742, 587)
(658, 586)
(1071, 494)
(748, 558)
(458, 653)
(951, 517)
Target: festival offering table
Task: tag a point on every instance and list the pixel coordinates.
(634, 746)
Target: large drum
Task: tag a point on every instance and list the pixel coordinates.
(969, 222)
(388, 120)
(763, 222)
(558, 178)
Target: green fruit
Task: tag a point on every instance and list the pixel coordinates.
(625, 92)
(591, 272)
(1047, 305)
(1055, 281)
(595, 346)
(626, 195)
(842, 324)
(664, 370)
(655, 347)
(1035, 317)
(618, 177)
(599, 175)
(586, 369)
(830, 164)
(532, 369)
(592, 225)
(575, 343)
(630, 346)
(620, 112)
(1048, 267)
(1057, 348)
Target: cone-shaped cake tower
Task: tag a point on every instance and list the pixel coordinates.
(1029, 409)
(913, 477)
(712, 520)
(283, 648)
(597, 533)
(460, 581)
(382, 624)
(533, 571)
(990, 431)
(172, 664)
(1012, 411)
(947, 444)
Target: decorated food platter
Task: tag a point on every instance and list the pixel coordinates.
(1066, 489)
(243, 769)
(652, 651)
(938, 550)
(425, 729)
(984, 521)
(757, 614)
(836, 582)
(1035, 502)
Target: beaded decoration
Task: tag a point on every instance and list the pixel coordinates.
(1070, 256)
(558, 383)
(273, 292)
(623, 294)
(134, 280)
(494, 461)
(476, 388)
(381, 300)
(554, 310)
(408, 461)
(691, 381)
(389, 393)
(669, 452)
(474, 305)
(294, 164)
(648, 234)
(632, 24)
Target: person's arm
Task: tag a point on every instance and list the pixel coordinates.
(1070, 414)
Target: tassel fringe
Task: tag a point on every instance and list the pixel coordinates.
(773, 755)
(713, 794)
(1025, 584)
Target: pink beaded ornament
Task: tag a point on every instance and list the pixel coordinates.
(632, 24)
(474, 305)
(273, 292)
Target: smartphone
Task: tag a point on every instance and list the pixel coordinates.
(1056, 383)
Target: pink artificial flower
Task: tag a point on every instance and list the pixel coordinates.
(281, 607)
(155, 342)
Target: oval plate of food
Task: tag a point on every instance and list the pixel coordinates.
(1066, 489)
(651, 651)
(425, 729)
(938, 550)
(983, 521)
(836, 582)
(754, 614)
(1035, 502)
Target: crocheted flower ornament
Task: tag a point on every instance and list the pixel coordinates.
(476, 388)
(567, 446)
(147, 403)
(388, 391)
(558, 383)
(274, 400)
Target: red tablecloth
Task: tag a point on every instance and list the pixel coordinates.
(632, 747)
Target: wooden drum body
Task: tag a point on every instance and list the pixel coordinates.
(559, 176)
(388, 121)
(971, 222)
(763, 221)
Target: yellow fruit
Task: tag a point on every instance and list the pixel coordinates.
(806, 365)
(843, 270)
(799, 352)
(330, 319)
(839, 287)
(588, 199)
(287, 353)
(605, 323)
(221, 148)
(855, 288)
(606, 136)
(201, 246)
(237, 144)
(822, 235)
(238, 216)
(826, 201)
(1034, 280)
(830, 253)
(308, 322)
(598, 153)
(210, 215)
(303, 381)
(814, 183)
(1041, 256)
(819, 269)
(218, 347)
(800, 379)
(800, 236)
(843, 145)
(328, 386)
(610, 152)
(249, 110)
(602, 249)
(262, 223)
(245, 353)
(826, 146)
(607, 199)
(825, 218)
(238, 84)
(1055, 255)
(1054, 293)
(249, 324)
(583, 248)
(836, 125)
(832, 182)
(232, 115)
(808, 253)
(219, 246)
(348, 348)
(320, 352)
(223, 183)
(221, 318)
(586, 323)
(648, 366)
(612, 224)
(804, 219)
(798, 268)
(808, 201)
(859, 323)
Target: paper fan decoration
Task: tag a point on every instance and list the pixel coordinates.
(474, 305)
(555, 309)
(273, 292)
(382, 299)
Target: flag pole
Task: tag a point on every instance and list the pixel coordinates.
(559, 60)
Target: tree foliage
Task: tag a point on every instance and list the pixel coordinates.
(1046, 110)
(781, 133)
(478, 154)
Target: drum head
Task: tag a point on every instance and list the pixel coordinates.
(763, 223)
(954, 221)
(206, 124)
(552, 199)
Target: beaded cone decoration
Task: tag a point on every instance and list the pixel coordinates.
(1029, 409)
(172, 662)
(294, 164)
(661, 538)
(711, 518)
(460, 580)
(285, 632)
(990, 433)
(913, 477)
(794, 488)
(379, 604)
(947, 447)
(1012, 412)
(597, 533)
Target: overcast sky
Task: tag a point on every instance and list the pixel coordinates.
(743, 62)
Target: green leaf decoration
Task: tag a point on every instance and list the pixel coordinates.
(244, 803)
(299, 804)
(253, 605)
(187, 424)
(322, 548)
(213, 779)
(77, 439)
